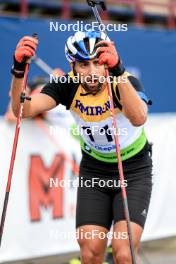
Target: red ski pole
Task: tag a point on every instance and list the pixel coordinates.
(93, 4)
(120, 169)
(23, 97)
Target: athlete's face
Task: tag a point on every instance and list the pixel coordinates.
(90, 73)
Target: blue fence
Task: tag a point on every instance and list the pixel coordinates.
(149, 53)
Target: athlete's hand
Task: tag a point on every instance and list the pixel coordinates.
(25, 50)
(108, 55)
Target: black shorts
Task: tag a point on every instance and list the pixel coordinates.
(99, 200)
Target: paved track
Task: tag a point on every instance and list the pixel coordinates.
(155, 252)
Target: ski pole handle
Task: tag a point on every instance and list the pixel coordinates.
(94, 3)
(34, 35)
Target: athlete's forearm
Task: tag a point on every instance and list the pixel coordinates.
(134, 108)
(16, 89)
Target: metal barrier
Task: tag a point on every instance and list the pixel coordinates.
(139, 9)
(137, 5)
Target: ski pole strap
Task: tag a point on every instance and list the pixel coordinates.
(126, 153)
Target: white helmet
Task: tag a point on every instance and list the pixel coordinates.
(81, 46)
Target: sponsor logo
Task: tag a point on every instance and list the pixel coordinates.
(92, 110)
(144, 213)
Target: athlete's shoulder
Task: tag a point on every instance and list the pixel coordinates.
(129, 74)
(61, 89)
(64, 80)
(138, 87)
(134, 81)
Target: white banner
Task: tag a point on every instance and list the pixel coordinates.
(40, 219)
(161, 220)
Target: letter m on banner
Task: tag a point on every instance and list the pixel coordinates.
(41, 194)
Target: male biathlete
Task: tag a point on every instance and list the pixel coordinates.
(99, 200)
